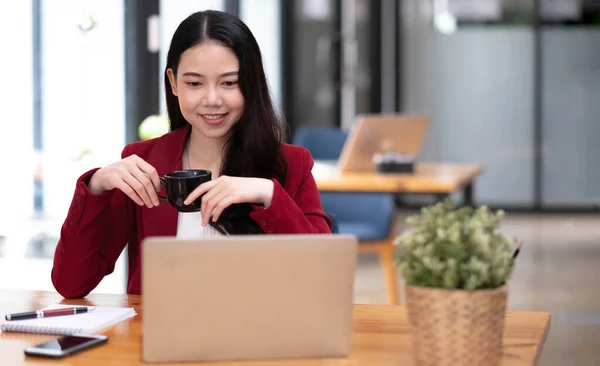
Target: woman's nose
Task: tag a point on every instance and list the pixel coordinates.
(212, 97)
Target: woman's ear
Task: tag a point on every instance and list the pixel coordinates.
(172, 80)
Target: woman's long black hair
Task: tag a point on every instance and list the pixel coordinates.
(254, 149)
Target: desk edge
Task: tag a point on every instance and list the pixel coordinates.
(543, 339)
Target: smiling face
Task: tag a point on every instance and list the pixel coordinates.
(207, 87)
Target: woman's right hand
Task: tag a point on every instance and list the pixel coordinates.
(133, 176)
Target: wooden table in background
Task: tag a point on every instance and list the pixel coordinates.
(435, 178)
(380, 336)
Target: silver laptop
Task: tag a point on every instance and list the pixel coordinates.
(247, 297)
(381, 133)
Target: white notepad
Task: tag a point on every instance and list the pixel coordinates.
(99, 318)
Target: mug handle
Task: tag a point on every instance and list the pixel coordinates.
(162, 182)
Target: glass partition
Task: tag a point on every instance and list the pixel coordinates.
(67, 101)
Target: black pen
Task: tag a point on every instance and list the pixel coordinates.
(518, 250)
(48, 313)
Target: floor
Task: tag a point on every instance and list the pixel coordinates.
(558, 271)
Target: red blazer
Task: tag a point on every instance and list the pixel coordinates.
(98, 227)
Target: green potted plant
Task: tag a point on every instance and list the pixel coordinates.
(456, 264)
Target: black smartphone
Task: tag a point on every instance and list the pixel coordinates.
(66, 345)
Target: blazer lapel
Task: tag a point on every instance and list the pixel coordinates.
(165, 157)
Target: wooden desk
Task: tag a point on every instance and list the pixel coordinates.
(380, 336)
(436, 178)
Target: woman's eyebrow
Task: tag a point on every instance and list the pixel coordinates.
(190, 73)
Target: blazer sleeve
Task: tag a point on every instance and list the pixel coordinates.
(301, 214)
(91, 239)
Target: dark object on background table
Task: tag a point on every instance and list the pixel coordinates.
(393, 162)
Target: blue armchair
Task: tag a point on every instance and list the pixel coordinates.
(324, 143)
(335, 229)
(369, 216)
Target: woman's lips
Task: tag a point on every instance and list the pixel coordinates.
(213, 119)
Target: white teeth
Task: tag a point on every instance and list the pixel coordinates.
(213, 117)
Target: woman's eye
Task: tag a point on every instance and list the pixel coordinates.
(193, 83)
(230, 83)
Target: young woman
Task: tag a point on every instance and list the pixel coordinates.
(222, 120)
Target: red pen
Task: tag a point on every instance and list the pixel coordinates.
(48, 313)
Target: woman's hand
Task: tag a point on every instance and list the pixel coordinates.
(132, 175)
(226, 191)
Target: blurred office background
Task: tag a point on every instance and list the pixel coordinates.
(513, 85)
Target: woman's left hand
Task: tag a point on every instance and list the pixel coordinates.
(226, 191)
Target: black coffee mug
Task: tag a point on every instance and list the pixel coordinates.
(179, 184)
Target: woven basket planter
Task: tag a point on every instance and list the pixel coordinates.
(456, 327)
